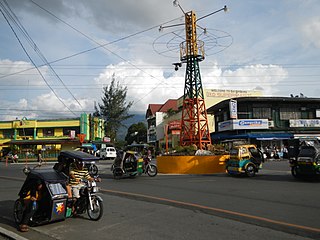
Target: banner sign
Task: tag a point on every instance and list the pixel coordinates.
(304, 123)
(233, 109)
(175, 125)
(243, 124)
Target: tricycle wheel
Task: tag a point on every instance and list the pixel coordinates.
(294, 172)
(18, 210)
(250, 170)
(96, 213)
(93, 169)
(152, 170)
(117, 173)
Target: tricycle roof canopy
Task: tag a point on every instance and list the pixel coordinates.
(82, 156)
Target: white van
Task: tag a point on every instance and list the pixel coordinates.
(108, 153)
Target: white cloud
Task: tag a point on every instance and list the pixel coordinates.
(311, 31)
(20, 73)
(264, 77)
(144, 85)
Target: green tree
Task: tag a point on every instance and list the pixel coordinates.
(114, 108)
(137, 132)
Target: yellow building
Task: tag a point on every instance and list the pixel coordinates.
(26, 137)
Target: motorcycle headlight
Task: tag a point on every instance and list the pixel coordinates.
(95, 189)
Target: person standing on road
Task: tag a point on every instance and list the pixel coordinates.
(40, 157)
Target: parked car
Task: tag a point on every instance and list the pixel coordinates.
(108, 153)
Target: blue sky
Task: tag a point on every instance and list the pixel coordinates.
(275, 47)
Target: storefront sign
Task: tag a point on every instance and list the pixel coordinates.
(175, 132)
(243, 124)
(225, 126)
(175, 125)
(304, 123)
(233, 109)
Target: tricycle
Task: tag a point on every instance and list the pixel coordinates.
(89, 160)
(52, 206)
(245, 159)
(131, 163)
(54, 203)
(307, 163)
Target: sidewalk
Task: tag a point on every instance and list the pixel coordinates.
(6, 234)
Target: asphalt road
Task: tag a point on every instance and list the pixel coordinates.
(272, 205)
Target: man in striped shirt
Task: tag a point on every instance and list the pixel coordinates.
(77, 173)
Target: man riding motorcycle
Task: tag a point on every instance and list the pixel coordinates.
(77, 173)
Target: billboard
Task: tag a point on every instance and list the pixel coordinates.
(240, 124)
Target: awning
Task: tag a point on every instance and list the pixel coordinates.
(270, 136)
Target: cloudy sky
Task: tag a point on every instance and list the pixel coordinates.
(56, 56)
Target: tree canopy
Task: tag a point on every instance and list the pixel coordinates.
(137, 132)
(114, 108)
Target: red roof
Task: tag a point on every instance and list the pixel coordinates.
(153, 108)
(170, 104)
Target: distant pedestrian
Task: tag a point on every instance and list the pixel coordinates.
(39, 159)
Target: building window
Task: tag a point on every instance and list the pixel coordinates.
(66, 131)
(8, 133)
(289, 113)
(48, 132)
(262, 113)
(225, 116)
(26, 132)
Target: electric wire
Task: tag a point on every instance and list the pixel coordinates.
(104, 46)
(40, 73)
(24, 32)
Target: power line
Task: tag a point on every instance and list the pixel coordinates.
(29, 55)
(104, 45)
(18, 24)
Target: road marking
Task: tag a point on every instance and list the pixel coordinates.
(301, 227)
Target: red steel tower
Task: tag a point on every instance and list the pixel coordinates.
(194, 121)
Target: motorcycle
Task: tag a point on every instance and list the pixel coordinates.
(12, 158)
(88, 202)
(148, 167)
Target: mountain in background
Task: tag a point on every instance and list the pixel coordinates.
(137, 117)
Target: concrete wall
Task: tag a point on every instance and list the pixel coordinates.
(191, 164)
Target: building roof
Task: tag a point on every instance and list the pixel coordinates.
(153, 108)
(170, 104)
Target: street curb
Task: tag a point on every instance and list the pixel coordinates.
(11, 235)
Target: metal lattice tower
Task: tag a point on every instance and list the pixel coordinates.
(194, 121)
